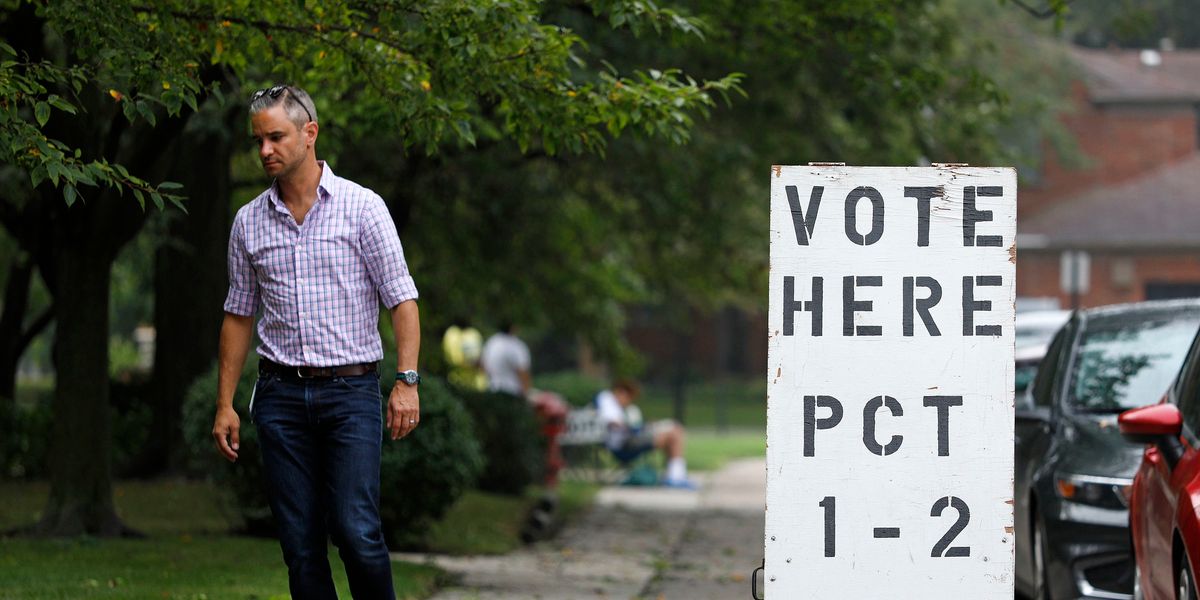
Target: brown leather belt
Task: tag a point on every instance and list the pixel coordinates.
(274, 368)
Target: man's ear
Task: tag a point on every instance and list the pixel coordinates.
(311, 129)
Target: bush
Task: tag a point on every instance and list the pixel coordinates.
(243, 481)
(575, 387)
(426, 472)
(422, 475)
(27, 427)
(513, 447)
(24, 439)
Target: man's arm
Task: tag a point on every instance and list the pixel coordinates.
(404, 405)
(236, 334)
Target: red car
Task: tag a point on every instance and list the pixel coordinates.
(1164, 507)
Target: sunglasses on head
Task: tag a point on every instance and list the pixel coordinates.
(274, 92)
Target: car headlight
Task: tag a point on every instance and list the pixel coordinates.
(1103, 492)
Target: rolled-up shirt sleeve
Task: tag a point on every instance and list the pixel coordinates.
(384, 255)
(242, 298)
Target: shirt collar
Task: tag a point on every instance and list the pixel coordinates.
(325, 186)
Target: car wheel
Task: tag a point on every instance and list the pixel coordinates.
(1187, 583)
(1041, 583)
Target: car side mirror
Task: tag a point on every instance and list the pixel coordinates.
(1160, 425)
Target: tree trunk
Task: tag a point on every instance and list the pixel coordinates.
(81, 499)
(189, 289)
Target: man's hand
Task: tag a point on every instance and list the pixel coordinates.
(225, 432)
(404, 410)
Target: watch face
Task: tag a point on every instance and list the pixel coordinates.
(410, 377)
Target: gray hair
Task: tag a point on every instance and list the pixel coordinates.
(296, 103)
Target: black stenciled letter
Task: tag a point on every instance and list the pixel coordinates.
(943, 404)
(972, 215)
(869, 411)
(804, 222)
(850, 306)
(923, 195)
(970, 306)
(852, 199)
(812, 423)
(791, 305)
(921, 306)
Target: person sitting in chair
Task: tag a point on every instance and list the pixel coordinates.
(628, 438)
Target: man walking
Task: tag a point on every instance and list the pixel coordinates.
(316, 254)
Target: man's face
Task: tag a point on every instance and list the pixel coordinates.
(282, 146)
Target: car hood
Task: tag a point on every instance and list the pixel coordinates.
(1092, 445)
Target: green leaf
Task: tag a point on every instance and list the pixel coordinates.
(147, 112)
(463, 128)
(37, 175)
(58, 102)
(55, 169)
(41, 111)
(70, 194)
(157, 198)
(170, 185)
(177, 201)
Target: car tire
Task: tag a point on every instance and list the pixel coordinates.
(1186, 590)
(1041, 583)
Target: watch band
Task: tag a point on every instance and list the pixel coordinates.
(409, 377)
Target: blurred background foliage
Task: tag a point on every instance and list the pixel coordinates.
(553, 163)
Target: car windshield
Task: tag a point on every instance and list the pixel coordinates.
(1128, 360)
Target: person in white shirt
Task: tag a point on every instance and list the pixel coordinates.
(505, 359)
(628, 437)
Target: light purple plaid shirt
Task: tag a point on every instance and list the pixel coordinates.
(318, 284)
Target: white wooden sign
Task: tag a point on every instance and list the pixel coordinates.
(890, 383)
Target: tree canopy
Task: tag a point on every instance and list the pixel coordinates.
(550, 161)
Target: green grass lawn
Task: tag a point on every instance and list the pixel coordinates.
(179, 566)
(482, 523)
(709, 450)
(729, 403)
(188, 553)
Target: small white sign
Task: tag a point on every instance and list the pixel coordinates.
(890, 383)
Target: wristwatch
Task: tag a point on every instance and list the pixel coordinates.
(409, 377)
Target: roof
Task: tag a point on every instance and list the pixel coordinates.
(1122, 76)
(1159, 210)
(1178, 304)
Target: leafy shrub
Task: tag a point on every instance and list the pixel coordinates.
(426, 472)
(513, 448)
(27, 428)
(24, 439)
(575, 387)
(243, 480)
(422, 475)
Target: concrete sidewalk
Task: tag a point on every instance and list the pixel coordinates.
(635, 542)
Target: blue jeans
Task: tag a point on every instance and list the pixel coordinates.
(321, 440)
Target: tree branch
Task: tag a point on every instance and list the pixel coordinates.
(264, 25)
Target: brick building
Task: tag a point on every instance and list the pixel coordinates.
(1127, 221)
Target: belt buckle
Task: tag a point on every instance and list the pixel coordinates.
(300, 373)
